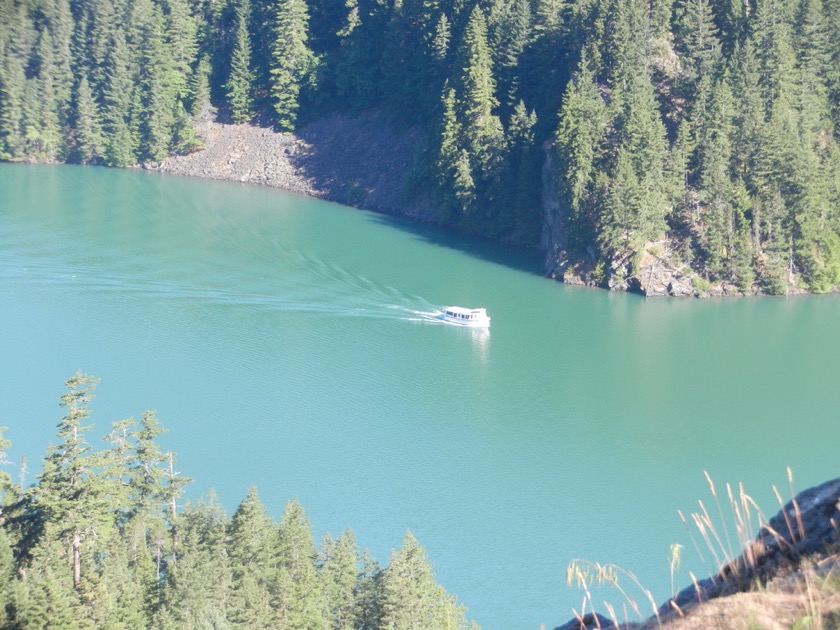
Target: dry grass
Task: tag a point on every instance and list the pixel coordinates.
(807, 599)
(762, 583)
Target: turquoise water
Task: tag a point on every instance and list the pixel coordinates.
(291, 344)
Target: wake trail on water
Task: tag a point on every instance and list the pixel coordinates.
(304, 284)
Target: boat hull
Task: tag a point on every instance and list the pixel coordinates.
(470, 317)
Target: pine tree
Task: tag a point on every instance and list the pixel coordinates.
(636, 203)
(578, 141)
(201, 108)
(116, 462)
(198, 585)
(239, 82)
(299, 595)
(714, 151)
(181, 38)
(339, 574)
(44, 597)
(7, 576)
(411, 598)
(447, 160)
(475, 89)
(441, 41)
(410, 73)
(172, 491)
(291, 60)
(160, 89)
(60, 27)
(119, 96)
(7, 488)
(358, 68)
(41, 123)
(89, 140)
(509, 26)
(12, 81)
(524, 160)
(69, 492)
(185, 139)
(369, 593)
(698, 41)
(251, 535)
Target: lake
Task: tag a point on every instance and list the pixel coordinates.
(291, 344)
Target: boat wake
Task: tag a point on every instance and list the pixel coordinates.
(297, 282)
(302, 284)
(433, 316)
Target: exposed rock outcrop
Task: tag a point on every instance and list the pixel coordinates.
(808, 527)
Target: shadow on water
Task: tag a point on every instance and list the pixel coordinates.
(517, 258)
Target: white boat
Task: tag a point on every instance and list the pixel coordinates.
(476, 317)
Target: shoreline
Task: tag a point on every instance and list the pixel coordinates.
(362, 162)
(359, 162)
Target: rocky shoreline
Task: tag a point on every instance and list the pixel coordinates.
(360, 162)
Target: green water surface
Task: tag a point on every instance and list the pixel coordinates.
(291, 344)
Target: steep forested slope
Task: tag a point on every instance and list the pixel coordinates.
(697, 134)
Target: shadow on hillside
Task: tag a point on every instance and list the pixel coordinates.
(366, 163)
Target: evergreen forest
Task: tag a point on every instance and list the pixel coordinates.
(103, 540)
(703, 133)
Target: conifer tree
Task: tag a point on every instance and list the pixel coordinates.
(369, 593)
(447, 159)
(60, 27)
(239, 82)
(578, 141)
(198, 585)
(291, 60)
(7, 489)
(182, 43)
(12, 81)
(441, 41)
(44, 597)
(714, 151)
(524, 160)
(509, 26)
(159, 90)
(185, 139)
(475, 90)
(358, 68)
(7, 576)
(116, 462)
(339, 574)
(89, 139)
(41, 123)
(201, 108)
(68, 491)
(636, 200)
(411, 598)
(118, 97)
(299, 596)
(698, 38)
(251, 534)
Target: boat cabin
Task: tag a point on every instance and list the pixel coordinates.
(466, 316)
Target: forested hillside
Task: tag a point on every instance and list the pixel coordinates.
(700, 134)
(102, 540)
